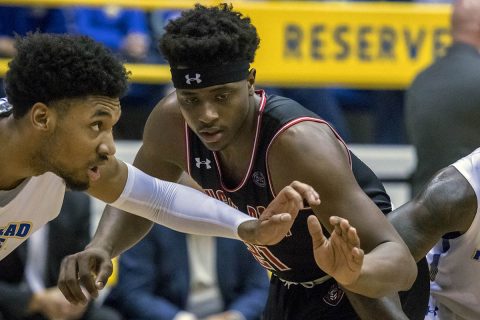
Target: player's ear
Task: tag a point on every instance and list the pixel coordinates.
(251, 81)
(41, 116)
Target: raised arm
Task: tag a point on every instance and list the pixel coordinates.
(321, 160)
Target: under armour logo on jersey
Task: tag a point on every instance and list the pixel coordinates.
(206, 163)
(196, 79)
(259, 179)
(334, 295)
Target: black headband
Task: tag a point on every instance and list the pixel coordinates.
(202, 77)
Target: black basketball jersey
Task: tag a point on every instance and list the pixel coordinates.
(292, 258)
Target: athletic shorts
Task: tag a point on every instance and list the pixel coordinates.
(295, 302)
(328, 301)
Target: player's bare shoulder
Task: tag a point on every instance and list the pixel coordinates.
(451, 198)
(304, 135)
(166, 113)
(309, 146)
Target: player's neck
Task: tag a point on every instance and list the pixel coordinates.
(236, 156)
(16, 153)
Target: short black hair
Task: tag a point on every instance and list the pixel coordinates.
(51, 67)
(205, 36)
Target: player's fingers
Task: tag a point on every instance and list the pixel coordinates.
(345, 226)
(307, 192)
(293, 197)
(353, 238)
(68, 281)
(358, 255)
(62, 282)
(86, 267)
(315, 230)
(336, 223)
(281, 218)
(104, 272)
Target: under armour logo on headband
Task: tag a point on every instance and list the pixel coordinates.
(196, 79)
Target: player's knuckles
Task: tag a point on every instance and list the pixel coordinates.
(85, 277)
(106, 271)
(71, 283)
(288, 191)
(300, 186)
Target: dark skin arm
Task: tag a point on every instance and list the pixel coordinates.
(385, 308)
(321, 161)
(447, 204)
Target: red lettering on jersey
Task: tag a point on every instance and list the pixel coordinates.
(274, 260)
(210, 193)
(252, 212)
(220, 195)
(266, 258)
(256, 254)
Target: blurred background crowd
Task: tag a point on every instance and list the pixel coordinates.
(359, 115)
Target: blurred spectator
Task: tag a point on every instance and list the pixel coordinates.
(20, 20)
(158, 21)
(29, 274)
(122, 30)
(320, 101)
(125, 32)
(383, 107)
(170, 275)
(443, 102)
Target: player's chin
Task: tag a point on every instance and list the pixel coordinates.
(77, 184)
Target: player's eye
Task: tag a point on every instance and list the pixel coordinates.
(96, 126)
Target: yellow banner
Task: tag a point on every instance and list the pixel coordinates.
(381, 45)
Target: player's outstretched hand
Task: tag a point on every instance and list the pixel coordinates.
(89, 269)
(340, 255)
(277, 219)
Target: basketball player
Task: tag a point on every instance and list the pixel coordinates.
(56, 133)
(242, 147)
(446, 216)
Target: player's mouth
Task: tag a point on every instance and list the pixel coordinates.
(211, 136)
(93, 173)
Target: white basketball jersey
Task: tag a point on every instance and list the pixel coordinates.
(38, 202)
(456, 286)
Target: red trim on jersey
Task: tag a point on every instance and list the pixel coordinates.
(291, 124)
(263, 100)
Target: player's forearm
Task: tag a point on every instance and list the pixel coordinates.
(387, 269)
(119, 230)
(180, 208)
(385, 308)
